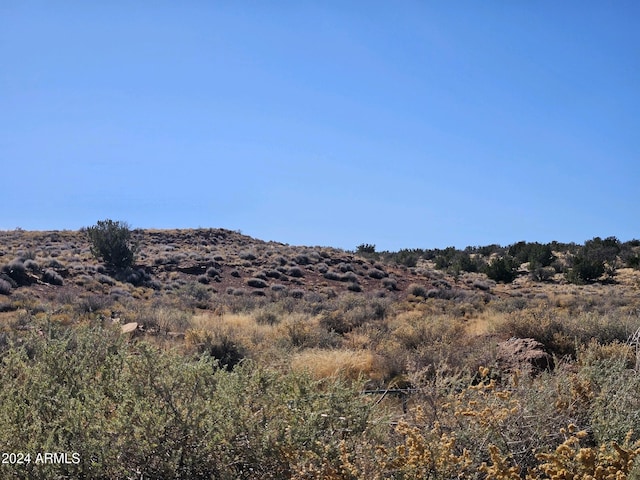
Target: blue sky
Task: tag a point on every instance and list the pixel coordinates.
(401, 124)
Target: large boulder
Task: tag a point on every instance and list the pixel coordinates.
(524, 354)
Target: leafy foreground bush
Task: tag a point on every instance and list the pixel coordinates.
(133, 411)
(130, 410)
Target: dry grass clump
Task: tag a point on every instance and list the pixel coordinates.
(414, 330)
(253, 336)
(348, 364)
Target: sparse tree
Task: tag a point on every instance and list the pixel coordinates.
(366, 248)
(111, 241)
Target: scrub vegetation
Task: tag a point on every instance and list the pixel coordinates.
(207, 354)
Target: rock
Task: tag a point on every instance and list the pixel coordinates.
(129, 327)
(524, 354)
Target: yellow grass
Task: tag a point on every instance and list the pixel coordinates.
(241, 326)
(350, 364)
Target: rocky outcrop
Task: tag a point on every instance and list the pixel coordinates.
(524, 354)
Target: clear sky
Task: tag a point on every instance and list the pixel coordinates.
(397, 123)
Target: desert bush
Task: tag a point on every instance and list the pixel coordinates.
(296, 293)
(272, 273)
(267, 317)
(111, 241)
(29, 254)
(417, 331)
(349, 277)
(93, 303)
(484, 286)
(296, 272)
(417, 290)
(130, 410)
(17, 272)
(52, 277)
(335, 322)
(585, 270)
(221, 346)
(345, 267)
(563, 334)
(322, 268)
(5, 287)
(542, 274)
(135, 276)
(105, 279)
(536, 254)
(213, 272)
(196, 295)
(408, 258)
(378, 274)
(633, 261)
(167, 318)
(298, 332)
(390, 283)
(331, 275)
(302, 259)
(53, 263)
(257, 283)
(352, 311)
(32, 265)
(247, 256)
(612, 403)
(502, 269)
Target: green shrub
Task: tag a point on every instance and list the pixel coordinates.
(408, 258)
(585, 270)
(542, 274)
(502, 269)
(538, 255)
(366, 248)
(130, 410)
(633, 261)
(111, 241)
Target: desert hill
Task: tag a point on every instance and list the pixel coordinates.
(224, 262)
(213, 265)
(217, 355)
